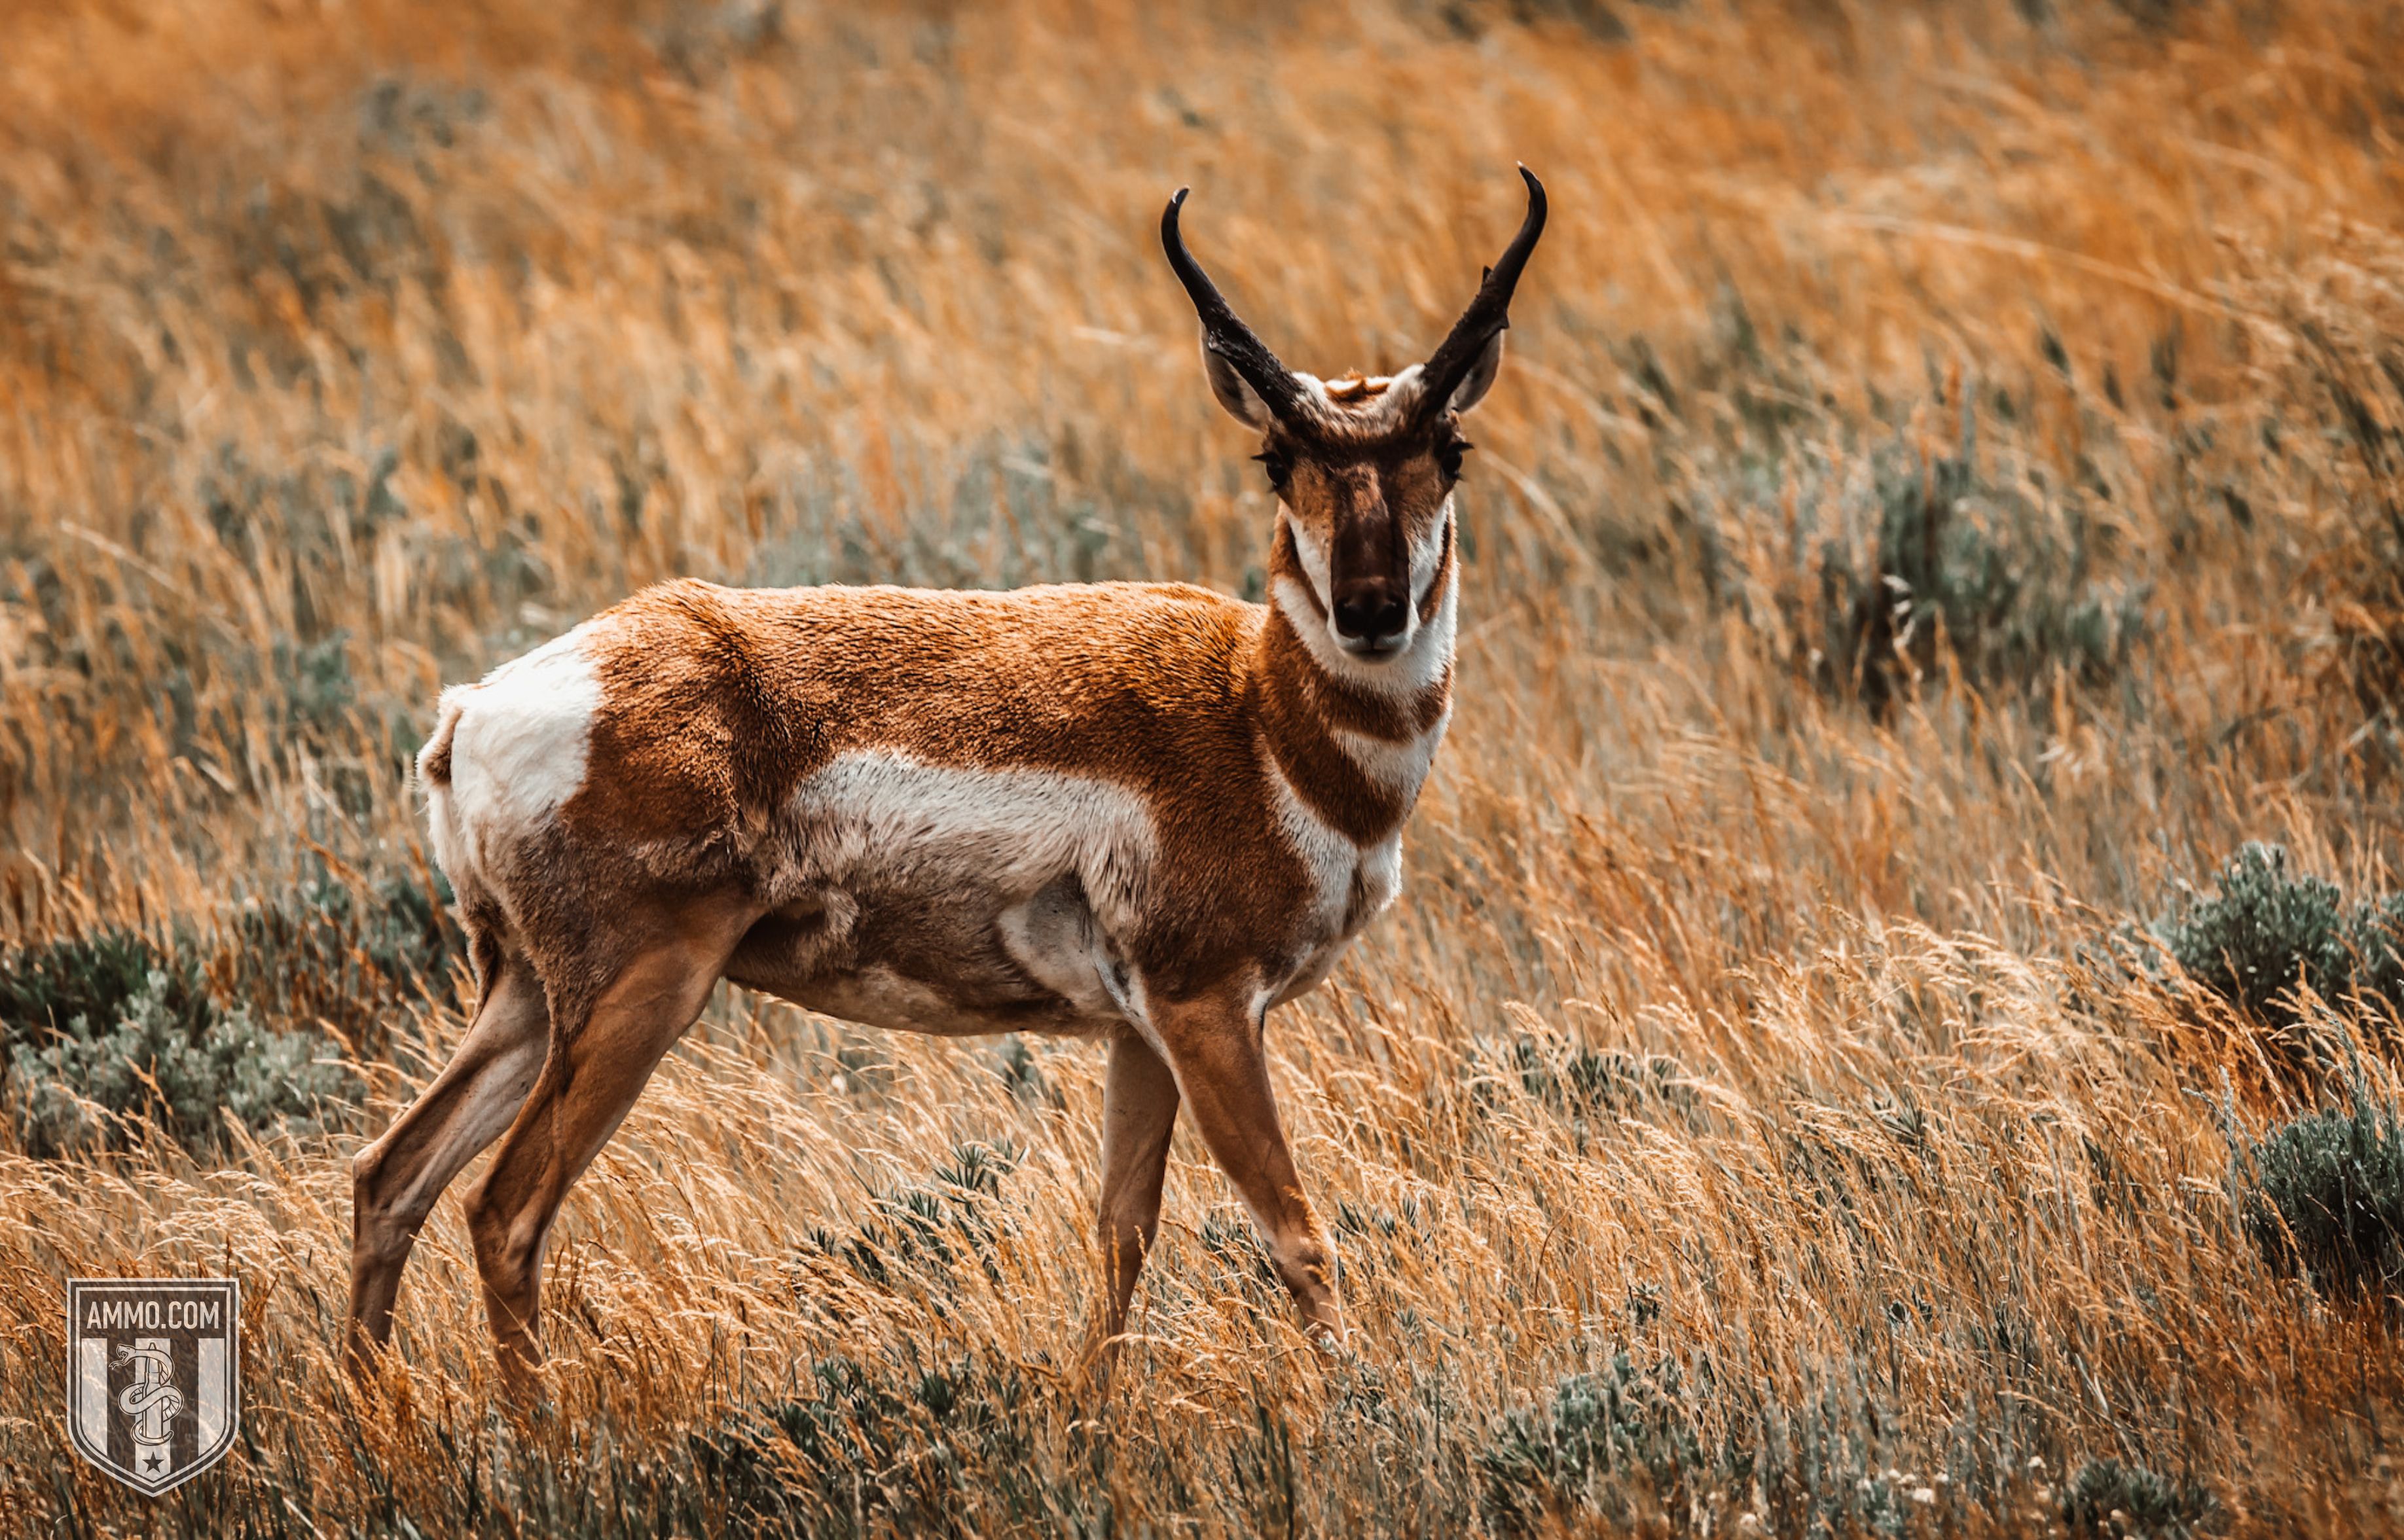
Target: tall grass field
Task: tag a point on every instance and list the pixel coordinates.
(1891, 1027)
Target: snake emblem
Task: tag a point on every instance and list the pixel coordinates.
(151, 1401)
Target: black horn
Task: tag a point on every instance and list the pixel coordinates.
(1489, 313)
(1224, 332)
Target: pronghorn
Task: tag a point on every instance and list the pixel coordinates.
(1141, 812)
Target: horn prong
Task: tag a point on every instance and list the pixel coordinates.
(1490, 313)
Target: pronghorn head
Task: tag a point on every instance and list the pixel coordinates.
(1363, 468)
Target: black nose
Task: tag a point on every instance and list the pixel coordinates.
(1372, 616)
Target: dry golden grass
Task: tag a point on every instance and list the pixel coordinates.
(346, 351)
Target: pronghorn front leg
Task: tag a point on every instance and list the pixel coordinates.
(1214, 1044)
(1138, 1115)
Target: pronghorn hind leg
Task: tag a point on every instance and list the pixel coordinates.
(395, 1180)
(1223, 1070)
(1139, 1114)
(597, 1066)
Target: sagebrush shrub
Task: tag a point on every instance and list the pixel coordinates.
(43, 988)
(1231, 1240)
(1598, 1440)
(1583, 1085)
(1024, 1076)
(325, 951)
(2326, 1193)
(2342, 384)
(2106, 1497)
(77, 1089)
(2266, 927)
(1980, 559)
(2378, 941)
(891, 1446)
(1896, 557)
(107, 1030)
(920, 1232)
(1592, 1082)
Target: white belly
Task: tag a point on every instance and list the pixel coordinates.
(933, 898)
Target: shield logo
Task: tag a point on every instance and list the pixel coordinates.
(154, 1376)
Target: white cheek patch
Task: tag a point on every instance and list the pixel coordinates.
(1427, 556)
(1313, 557)
(1293, 602)
(519, 750)
(1430, 652)
(1316, 567)
(1424, 650)
(1421, 661)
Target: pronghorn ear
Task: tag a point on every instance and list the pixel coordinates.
(1234, 392)
(1480, 377)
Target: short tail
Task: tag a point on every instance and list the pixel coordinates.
(434, 773)
(434, 759)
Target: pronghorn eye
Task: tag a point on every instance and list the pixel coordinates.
(1448, 457)
(1278, 467)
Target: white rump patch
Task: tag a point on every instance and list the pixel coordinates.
(518, 752)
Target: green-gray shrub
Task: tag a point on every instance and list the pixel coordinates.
(1979, 558)
(1023, 1074)
(1602, 1440)
(95, 974)
(81, 1087)
(1577, 1082)
(327, 951)
(110, 1030)
(919, 1232)
(2145, 1504)
(890, 1446)
(2325, 1194)
(1898, 541)
(2267, 927)
(1581, 1082)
